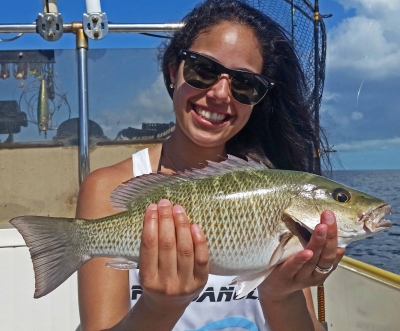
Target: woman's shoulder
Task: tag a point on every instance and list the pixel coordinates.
(111, 175)
(94, 193)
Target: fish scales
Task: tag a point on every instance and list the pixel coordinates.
(254, 218)
(237, 211)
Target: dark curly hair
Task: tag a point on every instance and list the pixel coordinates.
(281, 130)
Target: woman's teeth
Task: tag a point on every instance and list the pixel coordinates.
(212, 117)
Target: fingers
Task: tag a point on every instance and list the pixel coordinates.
(323, 243)
(167, 254)
(171, 248)
(297, 263)
(185, 250)
(201, 255)
(329, 251)
(316, 245)
(148, 258)
(298, 271)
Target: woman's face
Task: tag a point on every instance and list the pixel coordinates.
(211, 117)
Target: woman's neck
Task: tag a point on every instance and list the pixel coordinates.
(181, 153)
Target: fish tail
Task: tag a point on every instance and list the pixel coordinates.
(53, 247)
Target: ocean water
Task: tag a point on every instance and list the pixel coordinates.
(383, 249)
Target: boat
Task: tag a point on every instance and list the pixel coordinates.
(41, 175)
(358, 296)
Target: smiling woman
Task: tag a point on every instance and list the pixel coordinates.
(219, 70)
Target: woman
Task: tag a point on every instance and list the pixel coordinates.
(237, 88)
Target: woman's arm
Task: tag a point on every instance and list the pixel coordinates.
(103, 292)
(282, 299)
(173, 265)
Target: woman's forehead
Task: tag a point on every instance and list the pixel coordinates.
(232, 44)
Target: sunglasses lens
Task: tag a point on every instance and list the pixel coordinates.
(248, 88)
(202, 73)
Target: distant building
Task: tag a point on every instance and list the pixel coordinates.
(148, 131)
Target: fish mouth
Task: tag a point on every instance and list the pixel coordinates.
(373, 221)
(295, 227)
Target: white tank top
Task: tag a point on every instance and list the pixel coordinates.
(215, 308)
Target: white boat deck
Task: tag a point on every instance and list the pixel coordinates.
(18, 310)
(357, 296)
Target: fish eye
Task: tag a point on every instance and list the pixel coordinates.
(341, 195)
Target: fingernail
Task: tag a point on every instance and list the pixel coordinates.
(152, 206)
(321, 231)
(164, 202)
(178, 209)
(329, 218)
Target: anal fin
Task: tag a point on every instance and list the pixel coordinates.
(247, 283)
(288, 246)
(121, 263)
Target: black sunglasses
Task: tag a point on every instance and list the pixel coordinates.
(202, 72)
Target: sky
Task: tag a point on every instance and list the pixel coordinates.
(360, 110)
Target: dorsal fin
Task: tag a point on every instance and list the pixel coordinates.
(123, 195)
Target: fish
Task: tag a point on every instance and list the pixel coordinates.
(43, 112)
(254, 218)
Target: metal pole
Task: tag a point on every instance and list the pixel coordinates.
(293, 25)
(321, 291)
(68, 27)
(82, 47)
(316, 87)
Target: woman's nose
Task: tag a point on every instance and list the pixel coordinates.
(220, 91)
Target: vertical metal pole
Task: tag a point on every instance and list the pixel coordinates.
(321, 292)
(316, 87)
(82, 47)
(293, 25)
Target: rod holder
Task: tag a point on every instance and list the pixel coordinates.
(50, 26)
(95, 25)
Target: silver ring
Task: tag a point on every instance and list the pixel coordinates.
(323, 271)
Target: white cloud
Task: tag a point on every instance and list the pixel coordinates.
(150, 105)
(385, 11)
(359, 44)
(367, 145)
(331, 97)
(360, 108)
(371, 6)
(367, 43)
(154, 98)
(356, 116)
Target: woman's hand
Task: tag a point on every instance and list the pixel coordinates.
(173, 258)
(299, 271)
(282, 299)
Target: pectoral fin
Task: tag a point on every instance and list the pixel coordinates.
(122, 264)
(292, 247)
